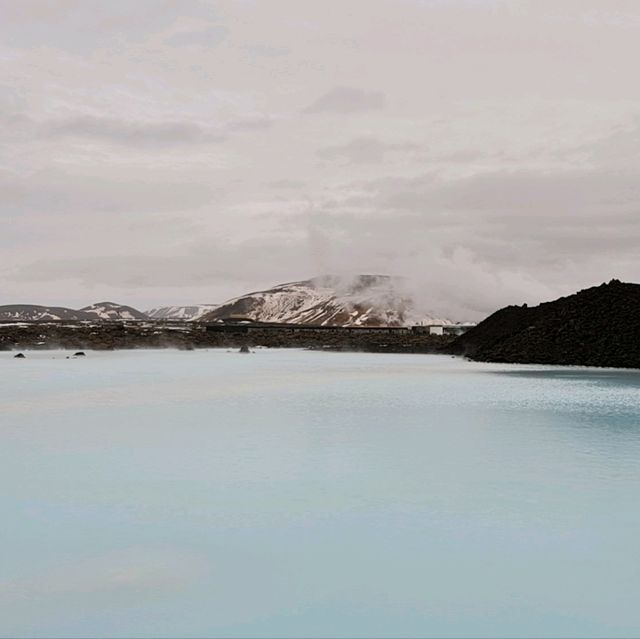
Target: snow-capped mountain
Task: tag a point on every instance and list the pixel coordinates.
(99, 311)
(113, 311)
(362, 300)
(35, 313)
(186, 313)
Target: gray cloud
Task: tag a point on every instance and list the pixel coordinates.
(618, 149)
(347, 100)
(255, 123)
(209, 37)
(80, 26)
(523, 195)
(265, 50)
(286, 184)
(365, 150)
(57, 193)
(134, 133)
(199, 263)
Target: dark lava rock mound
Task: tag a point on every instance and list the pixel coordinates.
(598, 326)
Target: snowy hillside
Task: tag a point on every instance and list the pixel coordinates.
(100, 311)
(35, 313)
(363, 300)
(187, 313)
(112, 311)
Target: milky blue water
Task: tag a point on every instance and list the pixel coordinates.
(293, 493)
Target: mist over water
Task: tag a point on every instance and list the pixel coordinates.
(293, 493)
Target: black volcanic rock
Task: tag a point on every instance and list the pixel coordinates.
(598, 326)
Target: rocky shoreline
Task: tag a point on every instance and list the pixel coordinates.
(192, 335)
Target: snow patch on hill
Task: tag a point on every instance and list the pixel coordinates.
(113, 311)
(36, 313)
(363, 300)
(186, 313)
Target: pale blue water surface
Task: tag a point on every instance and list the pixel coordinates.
(293, 493)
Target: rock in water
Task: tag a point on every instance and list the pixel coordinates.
(79, 354)
(244, 349)
(19, 356)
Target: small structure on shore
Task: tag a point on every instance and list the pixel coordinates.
(442, 329)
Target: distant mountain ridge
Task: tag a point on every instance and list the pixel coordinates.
(329, 300)
(361, 300)
(98, 311)
(36, 313)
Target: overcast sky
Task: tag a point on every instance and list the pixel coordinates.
(171, 152)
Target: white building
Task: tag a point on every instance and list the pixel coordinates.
(442, 329)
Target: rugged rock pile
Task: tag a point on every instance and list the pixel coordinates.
(598, 326)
